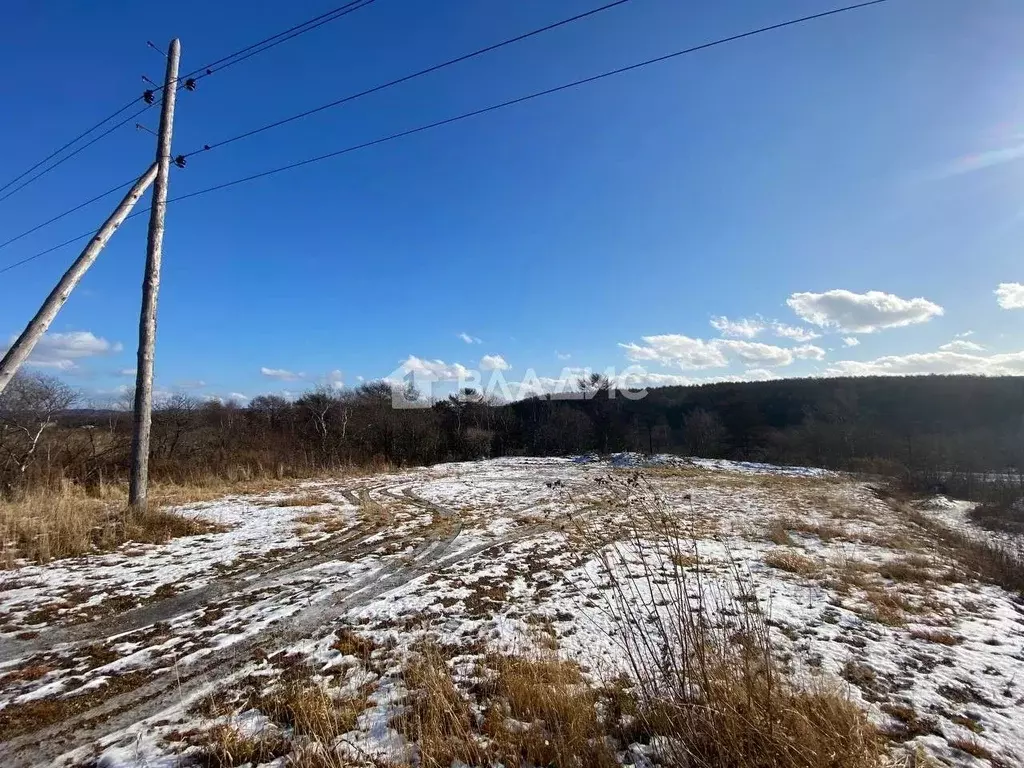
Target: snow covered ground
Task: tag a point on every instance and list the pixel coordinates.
(109, 658)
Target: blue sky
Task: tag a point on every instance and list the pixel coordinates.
(855, 177)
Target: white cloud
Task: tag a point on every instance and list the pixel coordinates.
(562, 355)
(127, 371)
(851, 341)
(977, 161)
(959, 345)
(494, 363)
(963, 335)
(750, 327)
(794, 332)
(281, 374)
(756, 374)
(238, 397)
(850, 312)
(533, 385)
(62, 351)
(746, 327)
(1010, 295)
(676, 349)
(634, 377)
(437, 370)
(809, 352)
(469, 339)
(943, 361)
(696, 354)
(637, 378)
(335, 379)
(191, 384)
(753, 352)
(57, 365)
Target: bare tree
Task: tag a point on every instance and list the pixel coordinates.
(28, 407)
(174, 419)
(593, 384)
(703, 433)
(319, 406)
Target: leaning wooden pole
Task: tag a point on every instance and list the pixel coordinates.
(22, 348)
(139, 482)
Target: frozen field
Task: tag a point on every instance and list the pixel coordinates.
(112, 660)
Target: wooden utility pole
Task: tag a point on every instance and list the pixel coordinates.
(22, 348)
(139, 484)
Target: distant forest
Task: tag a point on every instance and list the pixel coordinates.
(937, 427)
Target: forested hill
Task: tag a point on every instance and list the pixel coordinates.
(932, 426)
(952, 422)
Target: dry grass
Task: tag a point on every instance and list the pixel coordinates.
(756, 726)
(24, 717)
(987, 561)
(940, 636)
(778, 534)
(348, 643)
(47, 525)
(793, 562)
(537, 710)
(308, 499)
(309, 720)
(438, 719)
(225, 746)
(50, 523)
(915, 569)
(971, 747)
(309, 709)
(852, 574)
(861, 675)
(909, 724)
(824, 531)
(373, 512)
(886, 607)
(542, 712)
(705, 683)
(1007, 517)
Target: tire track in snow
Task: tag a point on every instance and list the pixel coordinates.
(346, 543)
(174, 689)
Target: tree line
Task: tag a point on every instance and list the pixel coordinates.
(936, 427)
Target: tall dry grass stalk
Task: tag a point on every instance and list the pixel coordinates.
(532, 709)
(698, 648)
(437, 717)
(988, 560)
(44, 524)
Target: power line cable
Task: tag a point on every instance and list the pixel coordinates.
(484, 110)
(531, 96)
(80, 136)
(275, 40)
(406, 78)
(67, 157)
(351, 7)
(219, 64)
(51, 249)
(69, 211)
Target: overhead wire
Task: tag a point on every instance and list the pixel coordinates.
(60, 149)
(531, 96)
(481, 111)
(406, 78)
(275, 40)
(215, 66)
(350, 7)
(67, 157)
